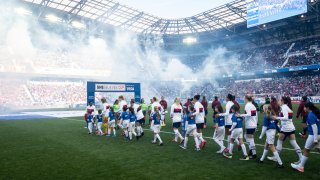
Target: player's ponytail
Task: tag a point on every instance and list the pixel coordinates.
(313, 108)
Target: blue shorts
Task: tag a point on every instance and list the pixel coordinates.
(139, 121)
(228, 126)
(176, 125)
(199, 125)
(250, 131)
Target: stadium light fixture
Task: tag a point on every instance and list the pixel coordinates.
(53, 18)
(78, 25)
(189, 40)
(22, 11)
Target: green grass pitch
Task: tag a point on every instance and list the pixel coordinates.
(62, 149)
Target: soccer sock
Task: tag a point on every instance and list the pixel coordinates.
(276, 155)
(114, 131)
(130, 135)
(154, 137)
(141, 129)
(109, 130)
(220, 143)
(134, 133)
(303, 161)
(252, 145)
(265, 152)
(200, 137)
(196, 140)
(179, 135)
(236, 141)
(126, 133)
(279, 145)
(244, 150)
(185, 142)
(297, 148)
(231, 148)
(228, 138)
(158, 136)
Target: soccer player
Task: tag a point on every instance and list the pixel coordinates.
(122, 103)
(144, 109)
(99, 118)
(125, 121)
(90, 121)
(269, 128)
(90, 110)
(199, 117)
(251, 125)
(155, 103)
(116, 109)
(313, 141)
(228, 119)
(287, 129)
(105, 110)
(219, 122)
(204, 103)
(133, 119)
(236, 133)
(111, 122)
(191, 128)
(303, 115)
(140, 119)
(164, 105)
(176, 116)
(155, 124)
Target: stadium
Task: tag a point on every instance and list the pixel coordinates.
(119, 89)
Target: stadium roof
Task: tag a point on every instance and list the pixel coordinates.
(113, 13)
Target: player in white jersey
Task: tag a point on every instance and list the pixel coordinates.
(140, 116)
(287, 128)
(228, 119)
(176, 116)
(251, 125)
(122, 103)
(199, 117)
(105, 111)
(90, 110)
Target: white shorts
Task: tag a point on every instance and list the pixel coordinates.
(191, 129)
(156, 128)
(309, 143)
(111, 124)
(219, 133)
(99, 124)
(237, 133)
(132, 126)
(271, 133)
(125, 124)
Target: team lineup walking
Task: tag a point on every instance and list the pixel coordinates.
(230, 125)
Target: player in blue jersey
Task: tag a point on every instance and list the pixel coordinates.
(219, 123)
(313, 141)
(132, 125)
(90, 122)
(191, 128)
(236, 133)
(112, 122)
(269, 128)
(125, 121)
(155, 124)
(99, 118)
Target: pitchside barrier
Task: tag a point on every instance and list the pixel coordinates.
(93, 87)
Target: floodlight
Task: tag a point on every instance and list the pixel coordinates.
(78, 24)
(22, 11)
(189, 40)
(53, 18)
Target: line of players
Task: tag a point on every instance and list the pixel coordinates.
(191, 120)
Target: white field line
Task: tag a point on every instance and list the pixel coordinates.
(166, 132)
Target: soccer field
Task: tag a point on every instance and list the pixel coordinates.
(60, 148)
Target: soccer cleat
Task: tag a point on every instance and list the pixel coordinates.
(297, 163)
(142, 134)
(220, 151)
(153, 142)
(259, 161)
(226, 150)
(161, 144)
(227, 155)
(297, 167)
(272, 158)
(203, 144)
(245, 158)
(173, 140)
(197, 149)
(183, 147)
(279, 166)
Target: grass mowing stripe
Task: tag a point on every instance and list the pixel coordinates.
(166, 132)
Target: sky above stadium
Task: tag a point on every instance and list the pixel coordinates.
(173, 9)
